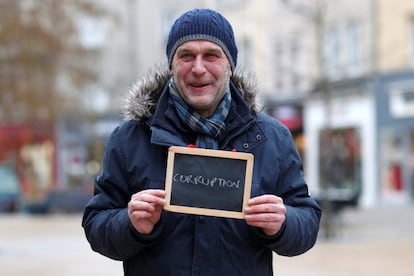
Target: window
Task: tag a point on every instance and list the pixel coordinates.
(167, 19)
(353, 49)
(278, 66)
(298, 62)
(247, 49)
(331, 54)
(412, 41)
(402, 102)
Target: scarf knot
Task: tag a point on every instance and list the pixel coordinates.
(209, 130)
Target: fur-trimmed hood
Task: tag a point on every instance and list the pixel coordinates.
(144, 94)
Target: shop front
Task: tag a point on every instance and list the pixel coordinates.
(28, 152)
(395, 113)
(340, 152)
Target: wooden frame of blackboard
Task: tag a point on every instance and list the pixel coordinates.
(244, 163)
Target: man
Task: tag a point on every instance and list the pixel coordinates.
(199, 100)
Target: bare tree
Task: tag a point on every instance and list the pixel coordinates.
(43, 64)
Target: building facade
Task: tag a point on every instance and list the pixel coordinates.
(359, 119)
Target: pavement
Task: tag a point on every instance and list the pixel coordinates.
(377, 241)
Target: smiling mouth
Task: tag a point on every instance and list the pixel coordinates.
(199, 84)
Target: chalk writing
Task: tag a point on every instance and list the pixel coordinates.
(206, 181)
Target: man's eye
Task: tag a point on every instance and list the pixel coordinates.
(212, 56)
(186, 56)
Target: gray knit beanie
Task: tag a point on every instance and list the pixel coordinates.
(203, 24)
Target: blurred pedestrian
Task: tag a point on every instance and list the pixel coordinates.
(199, 98)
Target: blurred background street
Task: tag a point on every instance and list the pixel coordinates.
(338, 74)
(377, 242)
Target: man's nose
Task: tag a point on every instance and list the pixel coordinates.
(198, 66)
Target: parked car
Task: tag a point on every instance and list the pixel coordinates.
(9, 189)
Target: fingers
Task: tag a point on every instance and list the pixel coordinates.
(266, 212)
(265, 199)
(139, 209)
(144, 203)
(265, 205)
(144, 209)
(149, 195)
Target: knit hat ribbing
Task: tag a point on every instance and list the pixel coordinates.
(203, 24)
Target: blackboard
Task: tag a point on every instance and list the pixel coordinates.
(208, 182)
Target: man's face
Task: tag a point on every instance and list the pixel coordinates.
(201, 74)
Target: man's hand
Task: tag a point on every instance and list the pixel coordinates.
(144, 209)
(267, 212)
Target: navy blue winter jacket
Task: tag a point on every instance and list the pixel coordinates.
(135, 159)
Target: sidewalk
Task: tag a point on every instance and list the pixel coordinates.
(376, 242)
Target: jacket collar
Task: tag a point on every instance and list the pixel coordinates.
(165, 123)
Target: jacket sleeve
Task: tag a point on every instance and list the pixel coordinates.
(301, 227)
(105, 220)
